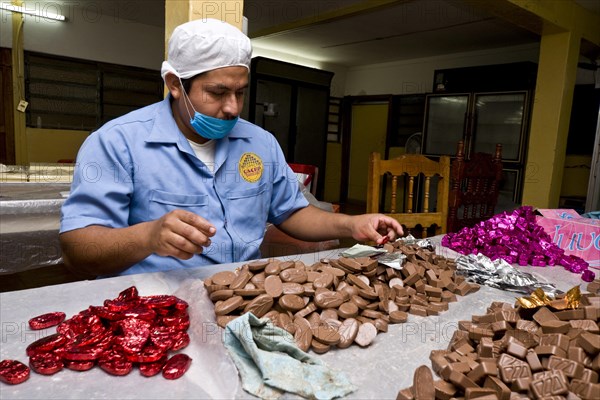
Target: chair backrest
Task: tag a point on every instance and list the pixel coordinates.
(474, 187)
(414, 171)
(308, 175)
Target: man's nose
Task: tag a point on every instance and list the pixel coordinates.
(231, 105)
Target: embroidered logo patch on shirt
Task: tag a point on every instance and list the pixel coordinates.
(251, 167)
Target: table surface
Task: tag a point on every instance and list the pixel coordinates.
(378, 371)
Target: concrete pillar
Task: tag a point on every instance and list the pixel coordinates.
(18, 79)
(179, 11)
(559, 54)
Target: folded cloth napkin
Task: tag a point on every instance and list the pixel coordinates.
(270, 363)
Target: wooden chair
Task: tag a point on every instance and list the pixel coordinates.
(412, 168)
(474, 187)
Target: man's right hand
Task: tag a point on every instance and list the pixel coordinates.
(180, 234)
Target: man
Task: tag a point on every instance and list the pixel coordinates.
(185, 182)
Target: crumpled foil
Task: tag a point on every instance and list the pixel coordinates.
(423, 243)
(539, 299)
(518, 239)
(394, 260)
(499, 274)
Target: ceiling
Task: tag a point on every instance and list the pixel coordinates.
(351, 33)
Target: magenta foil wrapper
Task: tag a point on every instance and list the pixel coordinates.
(516, 238)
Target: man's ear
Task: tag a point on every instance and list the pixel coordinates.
(174, 85)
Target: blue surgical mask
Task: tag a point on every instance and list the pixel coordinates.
(211, 127)
(206, 126)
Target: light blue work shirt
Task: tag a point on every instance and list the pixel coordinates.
(140, 166)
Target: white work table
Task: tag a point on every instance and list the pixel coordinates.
(378, 371)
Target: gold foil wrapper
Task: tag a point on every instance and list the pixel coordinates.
(539, 298)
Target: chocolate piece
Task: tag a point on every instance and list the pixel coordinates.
(223, 278)
(326, 335)
(325, 280)
(229, 305)
(296, 275)
(484, 369)
(533, 361)
(381, 325)
(485, 348)
(567, 315)
(549, 383)
(347, 331)
(461, 381)
(500, 326)
(585, 390)
(570, 368)
(260, 305)
(328, 299)
(366, 334)
(543, 350)
(242, 278)
(405, 394)
(303, 335)
(258, 265)
(502, 391)
(438, 362)
(555, 326)
(348, 310)
(586, 325)
(589, 376)
(590, 343)
(294, 288)
(273, 269)
(512, 368)
(444, 390)
(290, 302)
(543, 315)
(517, 350)
(248, 292)
(318, 347)
(555, 339)
(259, 280)
(521, 384)
(423, 388)
(273, 286)
(479, 393)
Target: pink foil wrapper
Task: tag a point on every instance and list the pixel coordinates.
(516, 238)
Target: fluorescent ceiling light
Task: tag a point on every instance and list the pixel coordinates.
(38, 13)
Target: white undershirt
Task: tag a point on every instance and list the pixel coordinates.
(205, 153)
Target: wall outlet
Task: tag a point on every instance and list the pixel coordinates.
(22, 106)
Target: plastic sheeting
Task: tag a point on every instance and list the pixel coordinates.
(378, 371)
(29, 224)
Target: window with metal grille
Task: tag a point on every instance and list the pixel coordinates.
(68, 93)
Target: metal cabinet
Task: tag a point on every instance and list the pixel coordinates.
(481, 120)
(483, 106)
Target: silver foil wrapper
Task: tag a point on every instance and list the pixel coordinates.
(500, 274)
(423, 243)
(393, 260)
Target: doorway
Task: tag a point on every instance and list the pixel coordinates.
(366, 132)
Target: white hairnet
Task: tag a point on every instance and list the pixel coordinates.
(203, 45)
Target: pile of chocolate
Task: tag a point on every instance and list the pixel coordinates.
(521, 353)
(126, 331)
(338, 301)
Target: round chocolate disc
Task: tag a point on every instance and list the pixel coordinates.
(273, 286)
(291, 302)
